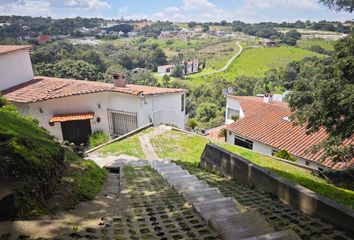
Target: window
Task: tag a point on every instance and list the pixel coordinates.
(307, 163)
(182, 103)
(242, 142)
(122, 122)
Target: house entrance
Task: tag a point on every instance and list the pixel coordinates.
(121, 122)
(76, 131)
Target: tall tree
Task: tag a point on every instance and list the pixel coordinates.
(339, 5)
(323, 97)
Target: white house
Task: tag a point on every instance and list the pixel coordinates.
(72, 109)
(263, 125)
(165, 69)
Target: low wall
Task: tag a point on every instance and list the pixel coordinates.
(220, 160)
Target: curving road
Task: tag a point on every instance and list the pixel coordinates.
(223, 69)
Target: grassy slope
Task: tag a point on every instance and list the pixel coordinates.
(307, 43)
(188, 148)
(255, 62)
(32, 161)
(130, 146)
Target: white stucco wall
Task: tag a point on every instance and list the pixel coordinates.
(113, 101)
(15, 68)
(262, 148)
(233, 104)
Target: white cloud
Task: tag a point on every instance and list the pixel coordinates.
(28, 8)
(289, 4)
(81, 4)
(172, 9)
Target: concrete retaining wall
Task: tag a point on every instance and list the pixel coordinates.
(220, 160)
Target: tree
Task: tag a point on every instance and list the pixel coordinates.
(339, 5)
(177, 72)
(323, 98)
(206, 111)
(291, 37)
(192, 24)
(141, 77)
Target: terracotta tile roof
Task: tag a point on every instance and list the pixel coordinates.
(44, 88)
(5, 49)
(265, 123)
(72, 117)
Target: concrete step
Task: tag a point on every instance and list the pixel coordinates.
(169, 169)
(173, 174)
(281, 235)
(220, 213)
(215, 204)
(178, 181)
(154, 163)
(241, 225)
(191, 186)
(202, 195)
(165, 165)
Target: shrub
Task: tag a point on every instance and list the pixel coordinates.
(235, 117)
(344, 179)
(98, 138)
(285, 155)
(192, 123)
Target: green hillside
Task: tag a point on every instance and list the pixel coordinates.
(33, 165)
(255, 62)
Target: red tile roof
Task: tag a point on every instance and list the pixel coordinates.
(265, 123)
(44, 88)
(5, 49)
(72, 117)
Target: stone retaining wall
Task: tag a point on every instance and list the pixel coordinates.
(220, 160)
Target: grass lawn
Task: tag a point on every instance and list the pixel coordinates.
(188, 148)
(255, 62)
(307, 43)
(130, 146)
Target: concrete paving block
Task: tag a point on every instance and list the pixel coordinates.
(241, 225)
(281, 235)
(202, 195)
(182, 180)
(173, 174)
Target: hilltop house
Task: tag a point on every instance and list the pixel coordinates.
(263, 125)
(72, 109)
(187, 67)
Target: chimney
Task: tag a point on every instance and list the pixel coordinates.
(119, 79)
(268, 98)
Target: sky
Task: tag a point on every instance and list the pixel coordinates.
(177, 10)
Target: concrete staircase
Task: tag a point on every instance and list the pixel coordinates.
(222, 213)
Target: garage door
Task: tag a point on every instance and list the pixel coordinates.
(121, 122)
(76, 131)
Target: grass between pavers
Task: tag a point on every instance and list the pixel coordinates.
(188, 148)
(129, 146)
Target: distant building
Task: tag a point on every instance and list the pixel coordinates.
(165, 69)
(263, 125)
(73, 109)
(190, 67)
(43, 38)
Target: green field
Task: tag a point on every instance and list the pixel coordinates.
(255, 62)
(307, 43)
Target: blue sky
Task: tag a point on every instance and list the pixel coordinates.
(177, 10)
